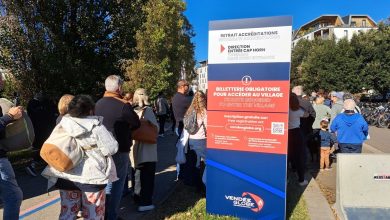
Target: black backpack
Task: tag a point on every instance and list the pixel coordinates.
(190, 122)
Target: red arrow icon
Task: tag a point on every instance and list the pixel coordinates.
(222, 48)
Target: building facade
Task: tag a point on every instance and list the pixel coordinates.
(334, 27)
(201, 72)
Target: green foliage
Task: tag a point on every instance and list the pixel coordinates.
(164, 48)
(300, 52)
(71, 46)
(344, 65)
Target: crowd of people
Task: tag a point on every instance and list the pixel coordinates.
(323, 124)
(103, 133)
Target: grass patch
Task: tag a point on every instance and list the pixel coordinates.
(189, 204)
(184, 203)
(299, 211)
(296, 206)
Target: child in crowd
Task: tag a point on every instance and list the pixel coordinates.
(327, 141)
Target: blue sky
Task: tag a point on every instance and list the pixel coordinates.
(200, 12)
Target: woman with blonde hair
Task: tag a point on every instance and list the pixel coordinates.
(83, 185)
(63, 106)
(144, 155)
(197, 140)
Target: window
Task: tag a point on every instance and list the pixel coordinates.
(364, 23)
(346, 33)
(353, 23)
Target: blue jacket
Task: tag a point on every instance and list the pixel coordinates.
(327, 139)
(350, 128)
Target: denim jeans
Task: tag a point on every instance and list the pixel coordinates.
(114, 190)
(350, 148)
(10, 192)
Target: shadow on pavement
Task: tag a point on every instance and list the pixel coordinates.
(294, 190)
(165, 178)
(182, 199)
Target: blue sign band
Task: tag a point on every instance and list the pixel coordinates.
(246, 178)
(257, 71)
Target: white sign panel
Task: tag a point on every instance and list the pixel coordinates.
(253, 45)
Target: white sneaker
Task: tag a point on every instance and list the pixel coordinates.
(145, 208)
(161, 135)
(303, 183)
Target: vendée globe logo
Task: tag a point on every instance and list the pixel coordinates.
(247, 200)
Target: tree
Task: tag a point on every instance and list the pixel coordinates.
(164, 48)
(67, 46)
(373, 49)
(344, 65)
(299, 54)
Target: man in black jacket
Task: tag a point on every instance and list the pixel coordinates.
(10, 192)
(180, 104)
(43, 114)
(120, 119)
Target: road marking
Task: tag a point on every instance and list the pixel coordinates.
(23, 214)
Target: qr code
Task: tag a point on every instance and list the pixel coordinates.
(277, 128)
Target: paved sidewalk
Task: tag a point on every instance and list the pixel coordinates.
(326, 181)
(39, 204)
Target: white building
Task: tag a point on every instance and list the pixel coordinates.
(201, 72)
(334, 26)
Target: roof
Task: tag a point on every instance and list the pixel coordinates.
(345, 20)
(325, 15)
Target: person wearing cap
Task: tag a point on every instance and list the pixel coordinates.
(348, 95)
(351, 129)
(337, 104)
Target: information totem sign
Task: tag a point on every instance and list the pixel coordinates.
(248, 96)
